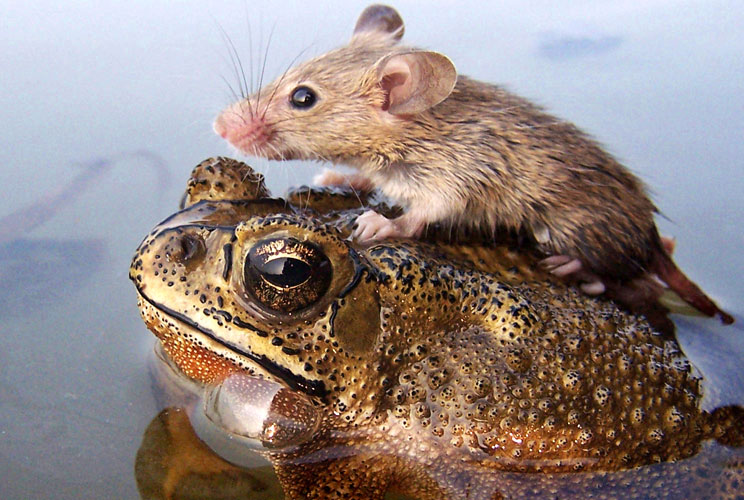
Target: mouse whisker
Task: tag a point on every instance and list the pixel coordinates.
(239, 115)
(356, 194)
(250, 51)
(289, 130)
(233, 94)
(279, 153)
(281, 79)
(236, 63)
(263, 65)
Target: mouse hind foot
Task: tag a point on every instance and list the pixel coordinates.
(571, 268)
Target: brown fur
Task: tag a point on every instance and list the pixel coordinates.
(481, 158)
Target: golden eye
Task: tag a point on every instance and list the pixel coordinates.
(285, 274)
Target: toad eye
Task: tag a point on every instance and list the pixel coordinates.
(303, 97)
(285, 274)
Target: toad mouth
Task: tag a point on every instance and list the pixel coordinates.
(296, 382)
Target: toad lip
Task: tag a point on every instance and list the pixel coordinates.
(314, 388)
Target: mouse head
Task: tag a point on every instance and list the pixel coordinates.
(346, 105)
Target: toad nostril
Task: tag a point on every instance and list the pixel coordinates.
(186, 248)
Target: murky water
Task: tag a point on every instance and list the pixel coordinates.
(658, 82)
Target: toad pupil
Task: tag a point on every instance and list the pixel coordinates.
(285, 272)
(303, 97)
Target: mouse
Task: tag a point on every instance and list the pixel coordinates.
(454, 151)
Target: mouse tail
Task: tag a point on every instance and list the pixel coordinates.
(669, 273)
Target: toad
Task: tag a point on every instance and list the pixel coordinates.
(440, 371)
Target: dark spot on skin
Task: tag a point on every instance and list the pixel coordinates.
(242, 324)
(224, 314)
(331, 319)
(227, 254)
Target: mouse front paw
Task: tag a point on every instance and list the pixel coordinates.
(371, 226)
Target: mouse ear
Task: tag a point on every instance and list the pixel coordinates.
(415, 81)
(380, 19)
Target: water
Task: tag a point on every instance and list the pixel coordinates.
(659, 83)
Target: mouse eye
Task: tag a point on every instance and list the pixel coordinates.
(285, 274)
(303, 97)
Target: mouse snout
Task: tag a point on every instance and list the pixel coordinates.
(247, 132)
(220, 127)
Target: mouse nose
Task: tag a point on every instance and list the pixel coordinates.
(219, 127)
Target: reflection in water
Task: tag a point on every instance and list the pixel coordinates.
(48, 270)
(172, 463)
(440, 372)
(25, 219)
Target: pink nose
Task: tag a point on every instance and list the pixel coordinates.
(219, 127)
